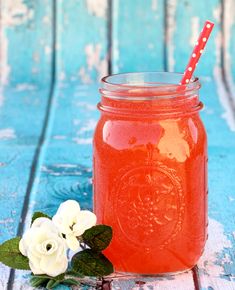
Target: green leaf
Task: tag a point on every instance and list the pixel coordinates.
(98, 237)
(52, 283)
(37, 281)
(39, 214)
(11, 256)
(90, 263)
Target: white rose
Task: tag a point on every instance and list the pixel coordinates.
(72, 222)
(45, 248)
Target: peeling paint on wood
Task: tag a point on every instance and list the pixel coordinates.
(229, 43)
(21, 23)
(195, 30)
(154, 5)
(25, 87)
(183, 30)
(80, 140)
(138, 46)
(7, 133)
(98, 7)
(4, 67)
(228, 114)
(4, 275)
(82, 58)
(1, 95)
(93, 61)
(12, 13)
(210, 264)
(182, 281)
(171, 25)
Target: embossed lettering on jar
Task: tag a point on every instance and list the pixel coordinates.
(150, 172)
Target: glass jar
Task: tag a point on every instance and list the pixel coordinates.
(150, 172)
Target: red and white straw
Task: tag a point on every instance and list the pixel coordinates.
(197, 52)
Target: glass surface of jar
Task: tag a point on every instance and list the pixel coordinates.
(150, 172)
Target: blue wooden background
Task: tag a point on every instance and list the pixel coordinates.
(52, 55)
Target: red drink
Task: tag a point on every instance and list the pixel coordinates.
(150, 172)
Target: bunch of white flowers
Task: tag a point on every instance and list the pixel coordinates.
(47, 241)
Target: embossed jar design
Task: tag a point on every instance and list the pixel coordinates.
(150, 172)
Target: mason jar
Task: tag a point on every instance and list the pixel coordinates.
(150, 172)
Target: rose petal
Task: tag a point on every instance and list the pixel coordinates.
(62, 224)
(34, 264)
(72, 242)
(66, 216)
(44, 222)
(35, 270)
(25, 242)
(62, 250)
(53, 268)
(68, 208)
(23, 247)
(85, 220)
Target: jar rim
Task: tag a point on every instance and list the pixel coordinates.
(155, 84)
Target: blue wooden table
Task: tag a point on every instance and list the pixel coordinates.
(52, 55)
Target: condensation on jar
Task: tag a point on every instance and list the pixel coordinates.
(150, 172)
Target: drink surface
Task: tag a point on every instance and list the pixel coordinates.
(150, 185)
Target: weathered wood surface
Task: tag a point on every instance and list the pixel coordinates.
(25, 41)
(82, 43)
(22, 116)
(64, 171)
(51, 54)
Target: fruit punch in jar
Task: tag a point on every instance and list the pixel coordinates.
(150, 172)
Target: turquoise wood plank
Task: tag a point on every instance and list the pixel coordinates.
(21, 122)
(217, 115)
(14, 170)
(138, 35)
(82, 40)
(184, 22)
(25, 41)
(65, 171)
(229, 44)
(216, 267)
